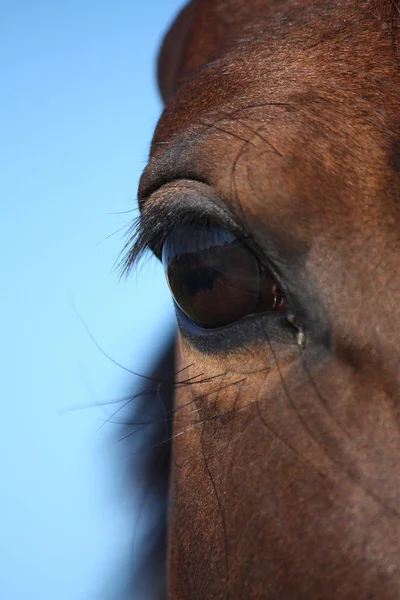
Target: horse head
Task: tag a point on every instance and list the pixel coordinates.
(272, 196)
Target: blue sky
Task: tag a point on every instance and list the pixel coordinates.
(78, 104)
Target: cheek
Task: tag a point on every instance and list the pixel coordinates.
(398, 375)
(214, 385)
(246, 360)
(282, 473)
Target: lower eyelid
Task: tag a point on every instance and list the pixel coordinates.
(252, 329)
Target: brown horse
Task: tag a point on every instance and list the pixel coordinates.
(272, 195)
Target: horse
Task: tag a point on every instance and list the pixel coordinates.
(272, 197)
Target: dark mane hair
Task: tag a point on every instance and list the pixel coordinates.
(146, 452)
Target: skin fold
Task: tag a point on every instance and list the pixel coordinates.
(285, 471)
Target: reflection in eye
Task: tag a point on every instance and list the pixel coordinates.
(214, 278)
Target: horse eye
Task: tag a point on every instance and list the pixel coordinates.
(214, 279)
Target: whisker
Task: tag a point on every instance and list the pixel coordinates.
(184, 405)
(191, 427)
(111, 234)
(76, 407)
(123, 367)
(104, 353)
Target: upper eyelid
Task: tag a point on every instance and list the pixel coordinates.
(185, 201)
(170, 206)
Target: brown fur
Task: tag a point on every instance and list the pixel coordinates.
(286, 482)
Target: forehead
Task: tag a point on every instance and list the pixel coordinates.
(299, 114)
(309, 60)
(286, 109)
(268, 47)
(213, 28)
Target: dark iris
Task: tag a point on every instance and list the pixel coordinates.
(214, 278)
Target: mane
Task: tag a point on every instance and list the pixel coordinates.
(145, 451)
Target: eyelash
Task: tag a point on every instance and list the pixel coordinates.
(149, 231)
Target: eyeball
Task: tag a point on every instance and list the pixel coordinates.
(215, 279)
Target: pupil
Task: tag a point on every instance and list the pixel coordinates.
(204, 278)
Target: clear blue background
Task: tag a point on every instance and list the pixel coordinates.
(78, 104)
